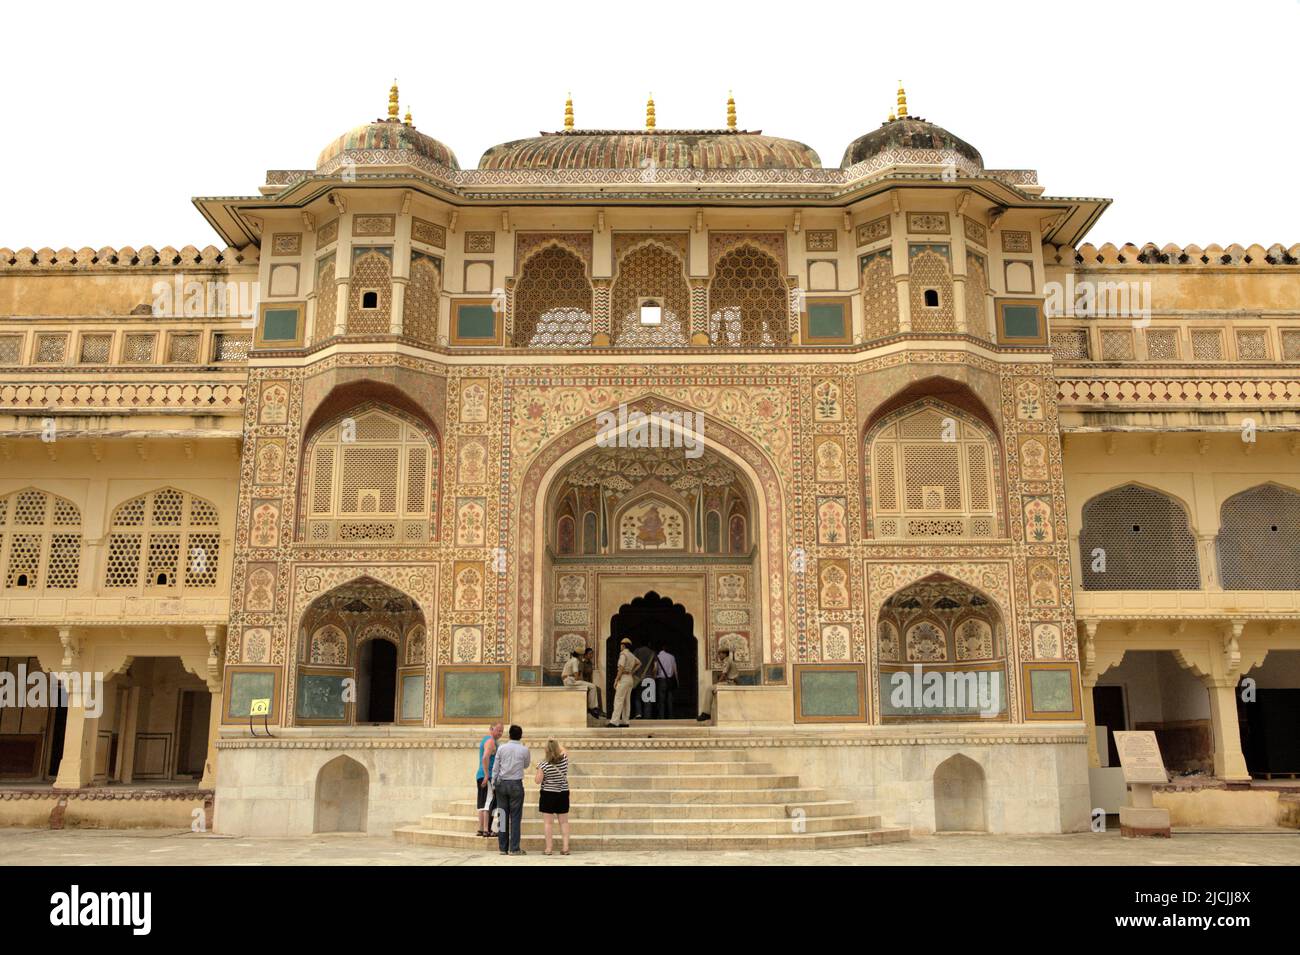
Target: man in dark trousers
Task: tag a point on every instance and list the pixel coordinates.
(666, 682)
(647, 669)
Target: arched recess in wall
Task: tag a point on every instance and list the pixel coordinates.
(40, 541)
(361, 657)
(932, 470)
(163, 541)
(749, 300)
(552, 300)
(1259, 539)
(650, 273)
(765, 531)
(1136, 538)
(942, 650)
(370, 473)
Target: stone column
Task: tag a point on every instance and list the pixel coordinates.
(77, 766)
(213, 678)
(1207, 555)
(396, 316)
(1087, 631)
(1229, 762)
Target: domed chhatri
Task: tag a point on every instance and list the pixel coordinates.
(905, 139)
(386, 142)
(703, 149)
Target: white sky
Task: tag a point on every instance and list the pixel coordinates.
(1181, 112)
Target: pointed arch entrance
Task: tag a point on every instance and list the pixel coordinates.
(658, 623)
(361, 657)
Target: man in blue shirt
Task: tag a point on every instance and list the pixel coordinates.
(512, 760)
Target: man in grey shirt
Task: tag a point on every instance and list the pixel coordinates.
(508, 782)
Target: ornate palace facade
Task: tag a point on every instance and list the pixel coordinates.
(856, 424)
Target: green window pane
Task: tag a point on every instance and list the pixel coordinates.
(826, 320)
(413, 696)
(246, 687)
(476, 321)
(1021, 321)
(320, 697)
(1052, 691)
(473, 695)
(280, 325)
(829, 693)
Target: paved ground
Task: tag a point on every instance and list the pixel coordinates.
(155, 847)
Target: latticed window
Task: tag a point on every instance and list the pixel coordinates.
(182, 348)
(1134, 538)
(1259, 540)
(95, 349)
(1207, 344)
(371, 478)
(11, 349)
(165, 540)
(553, 301)
(230, 346)
(370, 306)
(327, 297)
(51, 349)
(977, 287)
(931, 286)
(137, 348)
(749, 302)
(879, 296)
(40, 541)
(1116, 344)
(931, 475)
(1162, 344)
(650, 272)
(1070, 344)
(423, 293)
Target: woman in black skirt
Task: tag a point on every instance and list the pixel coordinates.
(553, 777)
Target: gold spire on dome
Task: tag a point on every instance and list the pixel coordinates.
(406, 120)
(902, 101)
(731, 110)
(568, 112)
(392, 102)
(650, 112)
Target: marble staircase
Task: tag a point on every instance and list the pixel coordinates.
(674, 798)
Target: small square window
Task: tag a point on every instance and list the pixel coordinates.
(931, 298)
(652, 311)
(370, 299)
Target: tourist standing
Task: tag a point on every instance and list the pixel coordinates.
(666, 683)
(624, 682)
(553, 777)
(508, 779)
(486, 801)
(647, 669)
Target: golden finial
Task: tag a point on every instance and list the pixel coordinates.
(902, 101)
(650, 112)
(731, 110)
(406, 120)
(568, 112)
(392, 101)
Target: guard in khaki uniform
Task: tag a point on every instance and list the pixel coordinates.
(624, 682)
(728, 672)
(572, 676)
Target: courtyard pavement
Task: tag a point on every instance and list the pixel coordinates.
(93, 847)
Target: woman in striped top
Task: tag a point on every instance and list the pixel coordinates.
(553, 777)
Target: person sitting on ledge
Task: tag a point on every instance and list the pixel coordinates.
(728, 672)
(572, 676)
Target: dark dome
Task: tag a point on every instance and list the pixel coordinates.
(706, 149)
(385, 143)
(911, 139)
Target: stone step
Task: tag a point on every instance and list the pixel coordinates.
(659, 796)
(700, 782)
(687, 810)
(666, 755)
(658, 841)
(676, 769)
(651, 826)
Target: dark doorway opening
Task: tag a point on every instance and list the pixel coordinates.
(654, 621)
(1268, 738)
(1108, 711)
(377, 682)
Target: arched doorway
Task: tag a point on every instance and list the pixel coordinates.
(959, 796)
(376, 681)
(342, 796)
(659, 623)
(361, 657)
(942, 650)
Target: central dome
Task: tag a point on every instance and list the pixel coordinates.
(387, 142)
(910, 139)
(704, 149)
